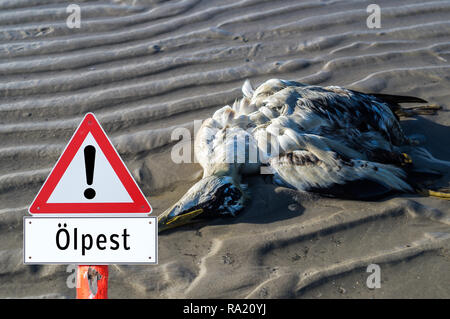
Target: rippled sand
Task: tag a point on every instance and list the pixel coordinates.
(146, 67)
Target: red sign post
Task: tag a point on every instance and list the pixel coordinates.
(92, 282)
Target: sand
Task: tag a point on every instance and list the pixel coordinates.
(146, 67)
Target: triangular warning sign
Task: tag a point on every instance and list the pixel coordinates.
(90, 178)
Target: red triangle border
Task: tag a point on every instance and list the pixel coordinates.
(90, 124)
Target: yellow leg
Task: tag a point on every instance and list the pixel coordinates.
(431, 193)
(418, 110)
(439, 194)
(426, 192)
(406, 159)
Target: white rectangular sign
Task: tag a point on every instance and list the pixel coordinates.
(90, 240)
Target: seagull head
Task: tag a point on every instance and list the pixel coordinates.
(210, 197)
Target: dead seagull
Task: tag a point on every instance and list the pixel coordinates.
(328, 140)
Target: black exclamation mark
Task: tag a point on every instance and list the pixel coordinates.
(89, 162)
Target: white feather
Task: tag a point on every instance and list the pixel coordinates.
(247, 89)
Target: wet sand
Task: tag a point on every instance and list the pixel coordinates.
(147, 67)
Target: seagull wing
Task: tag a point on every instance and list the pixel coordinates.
(336, 175)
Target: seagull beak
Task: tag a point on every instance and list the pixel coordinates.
(166, 222)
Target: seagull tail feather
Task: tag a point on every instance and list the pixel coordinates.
(395, 99)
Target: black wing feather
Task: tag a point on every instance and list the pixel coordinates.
(395, 99)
